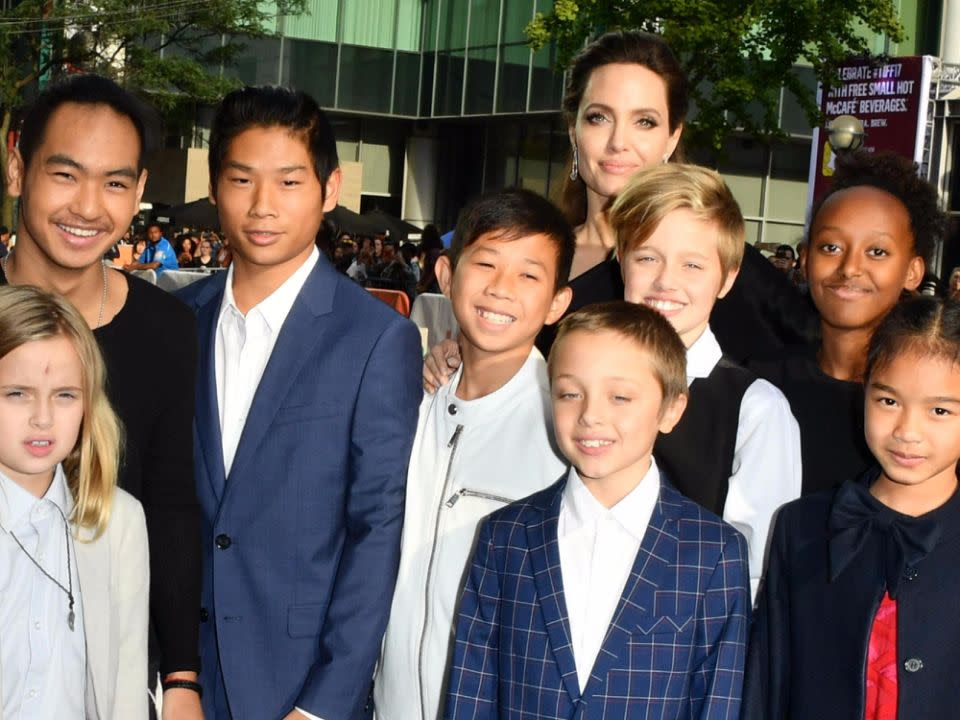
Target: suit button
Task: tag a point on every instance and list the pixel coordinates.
(223, 541)
(204, 615)
(910, 573)
(913, 665)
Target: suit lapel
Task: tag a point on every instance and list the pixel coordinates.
(657, 551)
(303, 329)
(545, 561)
(207, 410)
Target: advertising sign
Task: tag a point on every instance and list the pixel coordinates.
(890, 99)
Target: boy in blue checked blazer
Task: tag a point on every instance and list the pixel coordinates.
(609, 594)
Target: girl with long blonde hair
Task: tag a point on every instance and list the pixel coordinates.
(73, 547)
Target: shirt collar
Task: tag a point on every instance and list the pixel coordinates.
(16, 503)
(703, 356)
(633, 512)
(276, 306)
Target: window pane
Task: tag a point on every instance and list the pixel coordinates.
(318, 23)
(546, 91)
(484, 19)
(409, 19)
(431, 9)
(516, 15)
(480, 76)
(453, 25)
(742, 165)
(311, 67)
(514, 69)
(787, 187)
(369, 23)
(259, 63)
(366, 75)
(783, 234)
(405, 99)
(449, 83)
(793, 119)
(503, 146)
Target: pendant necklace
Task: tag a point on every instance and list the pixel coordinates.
(68, 591)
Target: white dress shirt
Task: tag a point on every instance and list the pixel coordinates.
(598, 547)
(45, 663)
(244, 345)
(767, 470)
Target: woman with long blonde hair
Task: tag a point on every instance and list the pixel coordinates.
(74, 570)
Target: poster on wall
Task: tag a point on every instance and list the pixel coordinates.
(891, 100)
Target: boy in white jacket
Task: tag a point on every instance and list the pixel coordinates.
(484, 439)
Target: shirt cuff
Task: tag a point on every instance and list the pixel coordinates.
(307, 715)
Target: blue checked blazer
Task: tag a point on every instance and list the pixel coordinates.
(676, 645)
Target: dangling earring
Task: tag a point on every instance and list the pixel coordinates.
(574, 170)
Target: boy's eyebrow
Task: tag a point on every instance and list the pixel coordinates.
(944, 399)
(58, 159)
(494, 251)
(286, 169)
(882, 387)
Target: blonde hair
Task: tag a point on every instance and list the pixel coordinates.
(28, 314)
(654, 193)
(642, 325)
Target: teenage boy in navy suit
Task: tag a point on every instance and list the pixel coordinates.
(307, 402)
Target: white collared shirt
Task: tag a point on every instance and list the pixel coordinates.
(44, 663)
(243, 348)
(767, 470)
(598, 547)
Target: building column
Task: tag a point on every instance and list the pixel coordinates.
(950, 32)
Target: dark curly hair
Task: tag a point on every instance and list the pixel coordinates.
(898, 176)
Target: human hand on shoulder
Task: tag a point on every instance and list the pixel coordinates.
(439, 364)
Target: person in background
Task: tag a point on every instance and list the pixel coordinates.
(4, 241)
(187, 244)
(431, 248)
(139, 245)
(397, 271)
(159, 254)
(204, 257)
(953, 290)
(411, 255)
(784, 259)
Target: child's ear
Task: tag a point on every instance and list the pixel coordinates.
(331, 189)
(559, 304)
(671, 413)
(444, 272)
(728, 283)
(915, 271)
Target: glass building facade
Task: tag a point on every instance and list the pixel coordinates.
(457, 77)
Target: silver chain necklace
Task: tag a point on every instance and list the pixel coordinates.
(103, 298)
(71, 617)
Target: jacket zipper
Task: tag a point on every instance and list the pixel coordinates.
(466, 492)
(454, 441)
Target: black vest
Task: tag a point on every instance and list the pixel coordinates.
(697, 455)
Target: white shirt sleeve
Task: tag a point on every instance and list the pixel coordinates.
(766, 469)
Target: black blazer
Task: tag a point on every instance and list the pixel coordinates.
(808, 645)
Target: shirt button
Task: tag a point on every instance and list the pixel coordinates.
(36, 625)
(913, 665)
(452, 409)
(223, 541)
(32, 693)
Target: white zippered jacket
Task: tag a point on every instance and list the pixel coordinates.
(469, 458)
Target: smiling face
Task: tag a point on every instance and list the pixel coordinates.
(503, 291)
(41, 410)
(82, 187)
(623, 125)
(677, 271)
(913, 424)
(860, 257)
(608, 409)
(269, 198)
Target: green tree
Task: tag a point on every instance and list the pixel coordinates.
(737, 53)
(170, 50)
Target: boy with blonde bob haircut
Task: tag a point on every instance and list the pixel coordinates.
(736, 451)
(609, 591)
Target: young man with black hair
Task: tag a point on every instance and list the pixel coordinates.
(79, 175)
(306, 407)
(159, 254)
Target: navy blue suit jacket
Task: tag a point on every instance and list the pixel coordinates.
(301, 541)
(675, 647)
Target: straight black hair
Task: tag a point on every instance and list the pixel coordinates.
(88, 90)
(513, 214)
(922, 325)
(270, 106)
